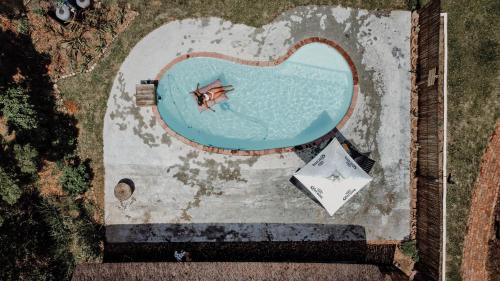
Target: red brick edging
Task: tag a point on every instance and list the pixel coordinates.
(481, 222)
(281, 59)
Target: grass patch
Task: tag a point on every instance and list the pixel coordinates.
(473, 107)
(409, 249)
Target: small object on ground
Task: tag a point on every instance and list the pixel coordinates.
(182, 255)
(82, 3)
(63, 12)
(123, 191)
(150, 81)
(449, 180)
(145, 94)
(431, 77)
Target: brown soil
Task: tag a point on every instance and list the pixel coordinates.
(403, 262)
(6, 24)
(71, 107)
(49, 179)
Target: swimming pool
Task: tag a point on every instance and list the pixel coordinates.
(290, 102)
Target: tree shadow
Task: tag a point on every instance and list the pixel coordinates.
(12, 8)
(88, 167)
(22, 65)
(35, 241)
(35, 230)
(91, 232)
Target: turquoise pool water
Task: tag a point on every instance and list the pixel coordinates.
(290, 104)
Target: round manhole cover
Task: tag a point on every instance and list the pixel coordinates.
(123, 190)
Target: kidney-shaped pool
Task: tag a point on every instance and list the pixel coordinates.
(289, 102)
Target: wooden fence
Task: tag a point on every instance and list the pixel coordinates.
(429, 173)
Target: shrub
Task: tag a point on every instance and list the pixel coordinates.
(75, 179)
(23, 26)
(27, 159)
(39, 11)
(15, 107)
(63, 138)
(409, 248)
(9, 190)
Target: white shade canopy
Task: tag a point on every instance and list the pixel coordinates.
(332, 177)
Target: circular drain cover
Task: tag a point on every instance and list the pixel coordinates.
(123, 191)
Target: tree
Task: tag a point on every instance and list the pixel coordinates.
(75, 179)
(17, 109)
(9, 190)
(27, 159)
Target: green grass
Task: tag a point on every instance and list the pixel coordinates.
(23, 26)
(473, 107)
(409, 249)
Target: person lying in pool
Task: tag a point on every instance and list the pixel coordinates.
(211, 95)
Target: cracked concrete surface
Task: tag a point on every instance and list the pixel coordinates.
(185, 194)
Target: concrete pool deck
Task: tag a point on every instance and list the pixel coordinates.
(185, 194)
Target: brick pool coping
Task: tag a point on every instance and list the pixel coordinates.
(278, 61)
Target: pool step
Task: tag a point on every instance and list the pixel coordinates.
(145, 94)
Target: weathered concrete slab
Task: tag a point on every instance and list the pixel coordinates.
(242, 198)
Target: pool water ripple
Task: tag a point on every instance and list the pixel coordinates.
(285, 105)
